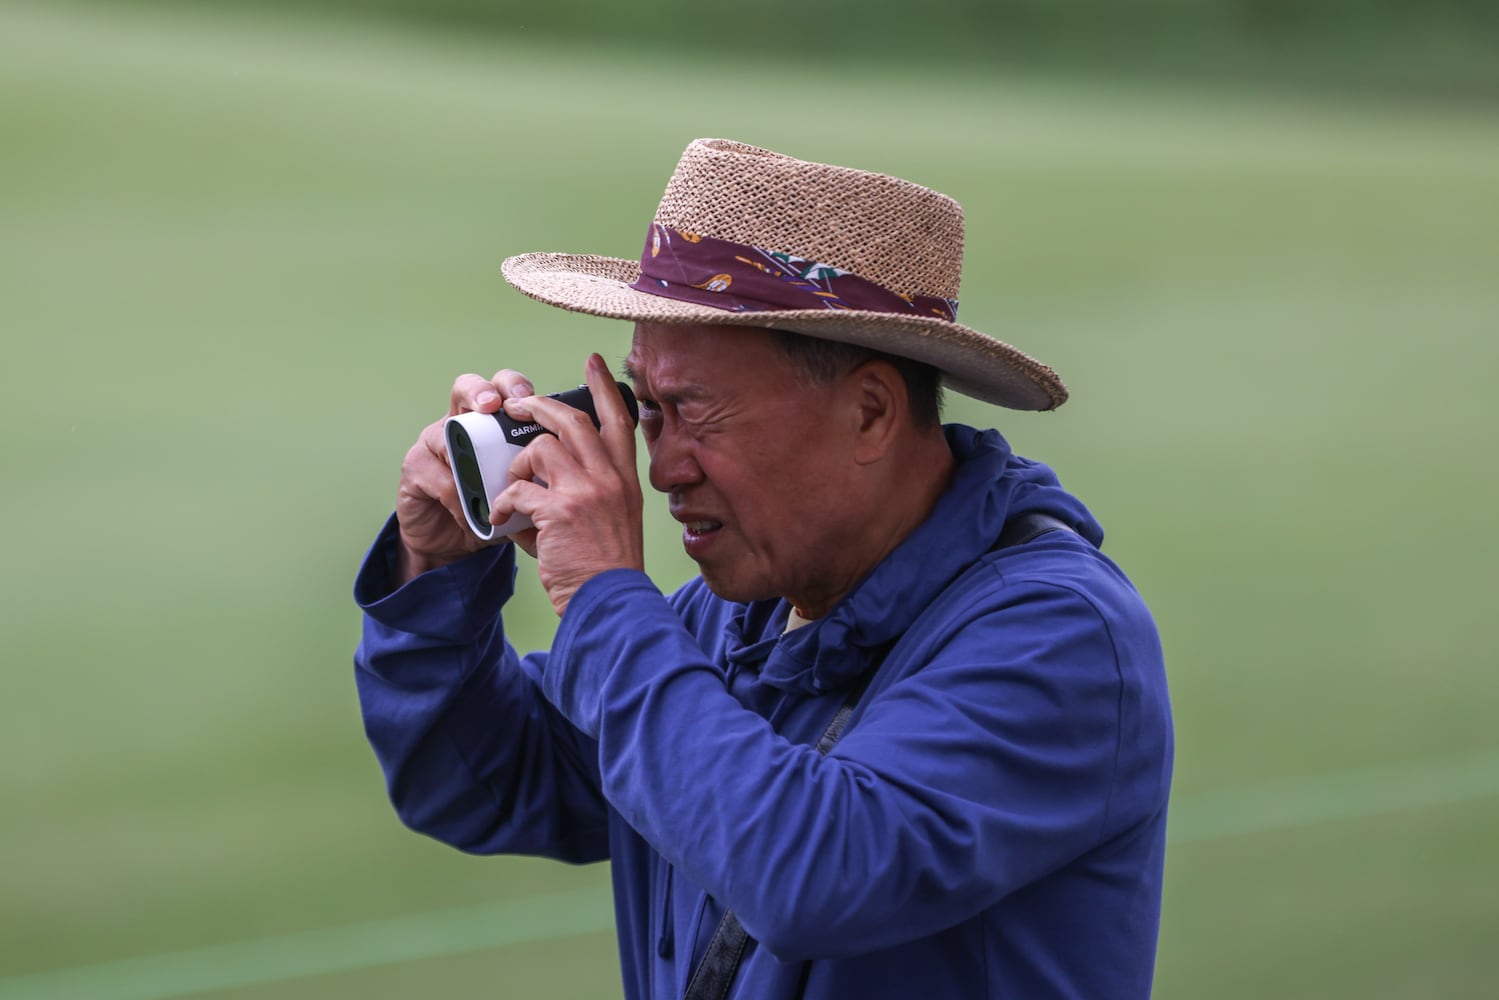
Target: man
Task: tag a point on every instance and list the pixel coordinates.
(907, 735)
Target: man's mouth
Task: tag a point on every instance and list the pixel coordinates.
(701, 527)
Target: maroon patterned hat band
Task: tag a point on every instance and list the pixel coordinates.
(742, 278)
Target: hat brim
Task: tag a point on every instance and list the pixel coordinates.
(972, 363)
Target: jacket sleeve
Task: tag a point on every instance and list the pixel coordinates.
(993, 764)
(472, 754)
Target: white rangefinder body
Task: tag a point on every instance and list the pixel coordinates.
(481, 447)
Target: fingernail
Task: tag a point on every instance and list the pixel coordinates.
(486, 397)
(525, 389)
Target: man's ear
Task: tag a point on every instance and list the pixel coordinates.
(880, 407)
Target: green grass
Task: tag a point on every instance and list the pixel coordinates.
(241, 260)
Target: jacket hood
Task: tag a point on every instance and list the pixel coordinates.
(991, 484)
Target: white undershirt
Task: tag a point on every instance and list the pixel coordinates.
(795, 620)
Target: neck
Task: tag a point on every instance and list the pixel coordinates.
(905, 486)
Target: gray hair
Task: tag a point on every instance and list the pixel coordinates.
(820, 361)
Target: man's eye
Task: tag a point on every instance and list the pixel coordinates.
(648, 407)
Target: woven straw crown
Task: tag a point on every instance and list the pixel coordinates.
(897, 234)
(901, 236)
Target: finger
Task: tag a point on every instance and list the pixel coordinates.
(615, 425)
(429, 460)
(467, 390)
(476, 393)
(570, 425)
(521, 497)
(512, 383)
(429, 473)
(526, 540)
(545, 460)
(432, 474)
(502, 509)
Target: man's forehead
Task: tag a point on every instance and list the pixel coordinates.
(667, 383)
(697, 359)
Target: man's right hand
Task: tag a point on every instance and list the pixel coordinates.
(433, 530)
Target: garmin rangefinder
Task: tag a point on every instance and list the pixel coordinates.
(481, 447)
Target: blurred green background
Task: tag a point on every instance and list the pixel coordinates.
(243, 254)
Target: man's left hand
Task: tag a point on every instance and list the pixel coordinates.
(580, 488)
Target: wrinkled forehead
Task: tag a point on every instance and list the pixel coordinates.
(703, 357)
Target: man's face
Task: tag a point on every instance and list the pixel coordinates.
(757, 465)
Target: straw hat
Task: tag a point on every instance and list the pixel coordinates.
(748, 237)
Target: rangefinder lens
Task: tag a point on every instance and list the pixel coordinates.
(478, 508)
(470, 480)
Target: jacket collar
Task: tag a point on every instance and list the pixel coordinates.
(989, 484)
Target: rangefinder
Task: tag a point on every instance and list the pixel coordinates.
(481, 447)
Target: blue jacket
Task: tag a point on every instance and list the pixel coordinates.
(991, 824)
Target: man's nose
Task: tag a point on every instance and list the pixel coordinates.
(672, 463)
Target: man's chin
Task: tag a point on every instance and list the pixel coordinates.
(726, 587)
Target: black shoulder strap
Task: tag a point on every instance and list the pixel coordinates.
(1022, 529)
(715, 973)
